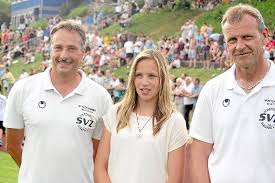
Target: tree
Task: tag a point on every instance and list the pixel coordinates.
(67, 7)
(5, 12)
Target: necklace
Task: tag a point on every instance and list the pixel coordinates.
(247, 89)
(139, 134)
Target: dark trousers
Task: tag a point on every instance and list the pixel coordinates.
(187, 109)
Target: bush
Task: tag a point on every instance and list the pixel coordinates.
(80, 11)
(39, 24)
(4, 12)
(106, 10)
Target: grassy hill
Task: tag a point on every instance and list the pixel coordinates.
(157, 24)
(203, 74)
(214, 17)
(167, 22)
(17, 67)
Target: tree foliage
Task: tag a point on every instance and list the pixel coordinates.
(67, 7)
(5, 11)
(39, 24)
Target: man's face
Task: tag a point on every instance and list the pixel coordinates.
(67, 52)
(244, 41)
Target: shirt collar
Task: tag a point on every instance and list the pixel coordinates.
(267, 81)
(48, 85)
(230, 74)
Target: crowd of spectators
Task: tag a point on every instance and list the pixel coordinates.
(194, 47)
(206, 4)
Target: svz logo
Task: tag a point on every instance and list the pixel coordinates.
(85, 122)
(267, 118)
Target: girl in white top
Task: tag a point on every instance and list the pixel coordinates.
(144, 137)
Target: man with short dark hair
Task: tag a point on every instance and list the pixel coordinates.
(60, 114)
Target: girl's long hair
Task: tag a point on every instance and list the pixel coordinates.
(164, 107)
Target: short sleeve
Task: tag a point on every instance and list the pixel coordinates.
(13, 117)
(110, 118)
(98, 129)
(179, 135)
(107, 101)
(201, 126)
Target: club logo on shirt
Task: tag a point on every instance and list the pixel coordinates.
(267, 118)
(41, 104)
(226, 102)
(85, 122)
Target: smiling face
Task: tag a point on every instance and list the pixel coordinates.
(67, 52)
(147, 80)
(244, 41)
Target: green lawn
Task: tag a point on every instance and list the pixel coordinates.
(214, 16)
(160, 23)
(17, 67)
(203, 74)
(167, 22)
(8, 169)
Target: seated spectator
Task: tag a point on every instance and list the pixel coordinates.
(88, 60)
(125, 20)
(23, 74)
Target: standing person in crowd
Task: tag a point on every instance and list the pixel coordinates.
(60, 114)
(143, 130)
(2, 109)
(129, 50)
(8, 80)
(196, 91)
(177, 93)
(233, 127)
(119, 88)
(188, 100)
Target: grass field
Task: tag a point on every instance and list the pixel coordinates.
(203, 74)
(16, 68)
(8, 169)
(156, 25)
(167, 22)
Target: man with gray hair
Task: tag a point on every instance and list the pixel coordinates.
(233, 126)
(59, 112)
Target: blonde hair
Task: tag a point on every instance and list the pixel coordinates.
(164, 107)
(235, 14)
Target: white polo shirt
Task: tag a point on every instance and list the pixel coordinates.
(241, 128)
(58, 130)
(2, 106)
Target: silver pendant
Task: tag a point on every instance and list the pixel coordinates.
(138, 135)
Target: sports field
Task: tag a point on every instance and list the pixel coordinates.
(8, 169)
